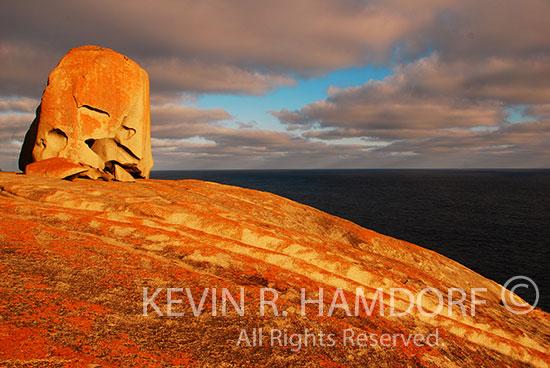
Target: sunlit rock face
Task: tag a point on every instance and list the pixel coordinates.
(75, 258)
(95, 113)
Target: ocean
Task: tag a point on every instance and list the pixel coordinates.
(496, 222)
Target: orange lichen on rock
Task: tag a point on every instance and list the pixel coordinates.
(76, 256)
(94, 112)
(55, 167)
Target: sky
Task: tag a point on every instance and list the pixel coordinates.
(304, 84)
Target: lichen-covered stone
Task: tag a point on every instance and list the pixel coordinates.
(94, 112)
(76, 257)
(55, 167)
(121, 174)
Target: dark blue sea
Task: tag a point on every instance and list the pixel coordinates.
(496, 222)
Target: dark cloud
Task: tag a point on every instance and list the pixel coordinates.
(470, 29)
(541, 111)
(304, 35)
(430, 94)
(173, 75)
(244, 46)
(392, 108)
(434, 112)
(519, 80)
(24, 68)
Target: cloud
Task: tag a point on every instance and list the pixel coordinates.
(511, 80)
(8, 151)
(470, 29)
(251, 47)
(25, 68)
(439, 113)
(193, 138)
(257, 149)
(12, 104)
(306, 35)
(431, 94)
(13, 126)
(460, 67)
(178, 121)
(525, 144)
(396, 108)
(175, 113)
(245, 47)
(541, 111)
(173, 121)
(173, 75)
(276, 38)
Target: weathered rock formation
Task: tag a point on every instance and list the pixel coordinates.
(55, 167)
(75, 257)
(94, 113)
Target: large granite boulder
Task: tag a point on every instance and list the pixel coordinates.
(75, 259)
(94, 113)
